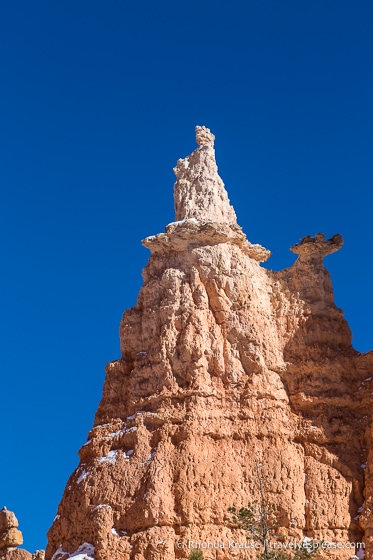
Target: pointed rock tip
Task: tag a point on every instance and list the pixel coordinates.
(204, 215)
(199, 191)
(204, 136)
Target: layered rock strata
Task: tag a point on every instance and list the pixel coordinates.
(224, 363)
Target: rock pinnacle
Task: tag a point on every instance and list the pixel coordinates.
(199, 191)
(224, 363)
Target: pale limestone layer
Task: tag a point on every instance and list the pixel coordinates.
(224, 362)
(191, 233)
(199, 191)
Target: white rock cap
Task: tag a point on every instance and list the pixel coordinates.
(199, 191)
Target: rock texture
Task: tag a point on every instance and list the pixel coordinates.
(11, 537)
(15, 554)
(199, 191)
(223, 363)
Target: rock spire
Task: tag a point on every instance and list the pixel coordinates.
(223, 363)
(199, 191)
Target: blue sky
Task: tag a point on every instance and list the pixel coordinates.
(98, 101)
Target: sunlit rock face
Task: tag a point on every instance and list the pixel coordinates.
(199, 191)
(11, 538)
(224, 364)
(10, 535)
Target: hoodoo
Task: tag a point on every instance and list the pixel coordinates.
(224, 364)
(11, 538)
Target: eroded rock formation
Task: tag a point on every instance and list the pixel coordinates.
(223, 363)
(10, 535)
(11, 538)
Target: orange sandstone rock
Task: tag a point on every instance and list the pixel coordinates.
(223, 363)
(10, 536)
(15, 554)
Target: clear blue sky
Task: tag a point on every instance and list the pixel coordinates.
(98, 101)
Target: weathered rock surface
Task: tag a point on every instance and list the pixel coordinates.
(199, 191)
(223, 363)
(10, 535)
(21, 554)
(38, 555)
(7, 520)
(15, 554)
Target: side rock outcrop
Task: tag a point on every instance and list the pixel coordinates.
(11, 537)
(223, 364)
